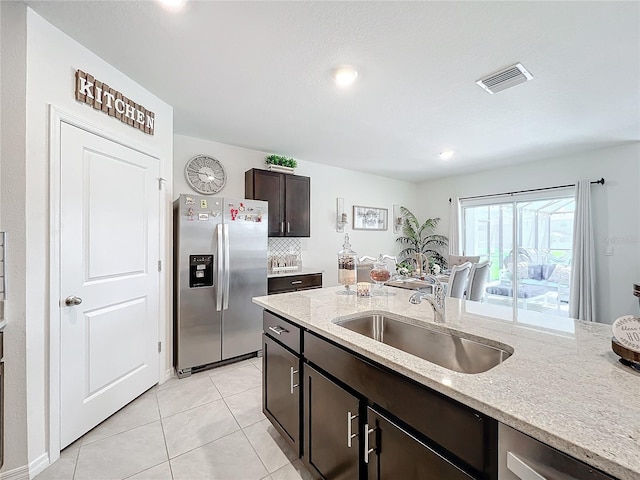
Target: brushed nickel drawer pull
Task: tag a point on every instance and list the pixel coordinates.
(293, 372)
(350, 435)
(367, 450)
(278, 330)
(296, 282)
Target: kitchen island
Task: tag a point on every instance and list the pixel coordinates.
(562, 385)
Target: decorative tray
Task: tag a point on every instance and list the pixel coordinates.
(626, 340)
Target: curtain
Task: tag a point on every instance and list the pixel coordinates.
(454, 226)
(583, 266)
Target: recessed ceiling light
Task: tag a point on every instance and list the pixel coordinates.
(173, 4)
(345, 76)
(447, 154)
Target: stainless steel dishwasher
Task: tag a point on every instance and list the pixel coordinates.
(521, 457)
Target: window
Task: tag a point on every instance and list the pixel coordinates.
(528, 239)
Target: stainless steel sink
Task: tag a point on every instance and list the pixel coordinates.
(449, 351)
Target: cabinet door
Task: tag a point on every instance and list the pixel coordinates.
(297, 206)
(280, 390)
(270, 187)
(331, 427)
(392, 453)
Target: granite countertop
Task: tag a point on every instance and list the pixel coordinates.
(563, 384)
(299, 271)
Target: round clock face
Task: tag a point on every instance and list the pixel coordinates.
(205, 174)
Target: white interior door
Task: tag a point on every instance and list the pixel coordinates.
(109, 247)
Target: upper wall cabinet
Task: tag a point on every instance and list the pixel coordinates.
(289, 198)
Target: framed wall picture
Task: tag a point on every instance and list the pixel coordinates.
(370, 218)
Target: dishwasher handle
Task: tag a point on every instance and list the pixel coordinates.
(520, 468)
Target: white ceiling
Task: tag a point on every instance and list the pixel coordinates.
(258, 75)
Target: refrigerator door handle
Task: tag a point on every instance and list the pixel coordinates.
(220, 269)
(225, 298)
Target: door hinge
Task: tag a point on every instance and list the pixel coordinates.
(159, 347)
(160, 180)
(159, 265)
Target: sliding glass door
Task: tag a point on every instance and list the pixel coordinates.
(528, 241)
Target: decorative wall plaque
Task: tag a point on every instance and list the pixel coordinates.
(102, 97)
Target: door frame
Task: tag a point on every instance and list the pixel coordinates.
(58, 116)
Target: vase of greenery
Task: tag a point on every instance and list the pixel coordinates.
(279, 163)
(421, 238)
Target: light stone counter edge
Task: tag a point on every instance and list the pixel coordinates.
(564, 388)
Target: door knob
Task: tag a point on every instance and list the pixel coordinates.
(72, 300)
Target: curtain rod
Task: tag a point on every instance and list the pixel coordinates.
(600, 182)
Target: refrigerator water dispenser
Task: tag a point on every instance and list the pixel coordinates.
(200, 271)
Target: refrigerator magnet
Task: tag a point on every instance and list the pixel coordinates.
(203, 216)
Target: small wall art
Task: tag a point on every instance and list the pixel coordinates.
(370, 218)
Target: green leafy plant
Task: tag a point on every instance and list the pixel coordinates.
(280, 160)
(404, 268)
(420, 238)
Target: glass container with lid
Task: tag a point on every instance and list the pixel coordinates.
(347, 264)
(380, 273)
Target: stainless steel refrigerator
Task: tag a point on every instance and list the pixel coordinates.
(220, 262)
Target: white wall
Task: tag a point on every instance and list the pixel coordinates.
(51, 61)
(13, 35)
(327, 183)
(615, 211)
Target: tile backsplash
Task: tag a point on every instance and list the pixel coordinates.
(285, 253)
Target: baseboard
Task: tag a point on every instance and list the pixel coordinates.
(20, 473)
(38, 465)
(168, 375)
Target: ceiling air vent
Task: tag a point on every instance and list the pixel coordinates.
(507, 78)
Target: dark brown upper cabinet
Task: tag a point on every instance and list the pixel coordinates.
(289, 198)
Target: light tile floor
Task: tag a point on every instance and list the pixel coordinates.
(207, 426)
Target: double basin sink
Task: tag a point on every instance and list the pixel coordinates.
(445, 349)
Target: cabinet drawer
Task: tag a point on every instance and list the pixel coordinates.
(457, 428)
(293, 283)
(285, 332)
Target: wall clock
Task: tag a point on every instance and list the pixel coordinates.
(205, 174)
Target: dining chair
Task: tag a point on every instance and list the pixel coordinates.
(454, 260)
(458, 277)
(478, 278)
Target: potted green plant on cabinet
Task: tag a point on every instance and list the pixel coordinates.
(420, 238)
(279, 163)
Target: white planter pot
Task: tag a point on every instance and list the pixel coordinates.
(279, 168)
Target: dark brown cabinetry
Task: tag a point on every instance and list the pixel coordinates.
(355, 419)
(331, 428)
(293, 283)
(460, 432)
(391, 453)
(281, 374)
(289, 198)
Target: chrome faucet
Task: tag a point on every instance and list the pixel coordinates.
(436, 298)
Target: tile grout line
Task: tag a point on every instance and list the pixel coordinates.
(256, 452)
(128, 429)
(204, 444)
(75, 465)
(164, 437)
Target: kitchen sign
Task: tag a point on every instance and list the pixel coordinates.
(104, 98)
